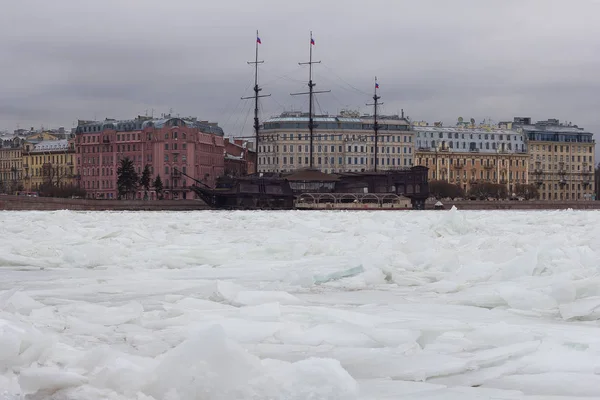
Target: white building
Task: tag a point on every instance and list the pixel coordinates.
(340, 143)
(476, 140)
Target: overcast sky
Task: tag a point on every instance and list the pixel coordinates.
(64, 60)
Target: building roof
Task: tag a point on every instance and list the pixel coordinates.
(51, 145)
(463, 130)
(137, 124)
(554, 129)
(365, 119)
(232, 157)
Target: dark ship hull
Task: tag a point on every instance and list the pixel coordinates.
(279, 192)
(248, 193)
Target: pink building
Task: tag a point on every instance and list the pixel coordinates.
(168, 146)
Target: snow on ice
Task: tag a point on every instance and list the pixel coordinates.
(300, 305)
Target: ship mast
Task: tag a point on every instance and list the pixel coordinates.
(375, 124)
(310, 93)
(255, 97)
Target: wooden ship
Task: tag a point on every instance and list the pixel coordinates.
(247, 193)
(280, 191)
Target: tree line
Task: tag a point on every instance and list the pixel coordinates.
(481, 190)
(128, 181)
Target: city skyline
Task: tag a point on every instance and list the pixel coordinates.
(436, 61)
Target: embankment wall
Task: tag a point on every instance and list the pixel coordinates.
(49, 203)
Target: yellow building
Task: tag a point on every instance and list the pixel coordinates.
(41, 136)
(468, 168)
(11, 164)
(562, 160)
(49, 162)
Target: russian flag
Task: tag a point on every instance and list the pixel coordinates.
(376, 85)
(258, 40)
(312, 41)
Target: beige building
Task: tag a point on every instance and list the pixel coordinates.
(468, 155)
(468, 168)
(561, 159)
(11, 163)
(340, 143)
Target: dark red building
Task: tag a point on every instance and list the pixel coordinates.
(240, 159)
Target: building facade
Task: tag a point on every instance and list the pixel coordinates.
(240, 159)
(11, 164)
(343, 143)
(48, 162)
(561, 159)
(467, 156)
(178, 150)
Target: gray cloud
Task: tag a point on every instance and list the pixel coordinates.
(435, 59)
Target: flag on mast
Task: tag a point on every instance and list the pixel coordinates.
(312, 41)
(258, 40)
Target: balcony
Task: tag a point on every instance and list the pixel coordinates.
(538, 171)
(106, 139)
(503, 181)
(488, 166)
(175, 173)
(177, 188)
(457, 166)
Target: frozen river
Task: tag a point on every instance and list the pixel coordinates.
(300, 305)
